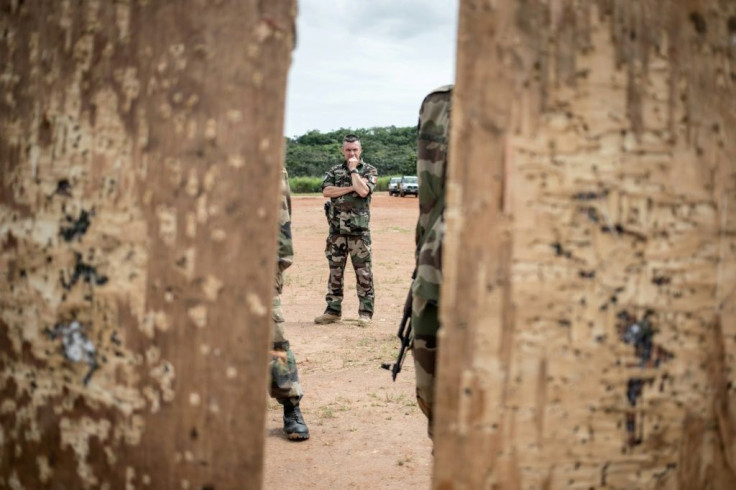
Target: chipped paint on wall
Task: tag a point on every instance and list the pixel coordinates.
(618, 187)
(73, 247)
(119, 211)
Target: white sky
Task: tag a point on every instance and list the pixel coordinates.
(366, 63)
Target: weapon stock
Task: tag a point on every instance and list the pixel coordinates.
(404, 334)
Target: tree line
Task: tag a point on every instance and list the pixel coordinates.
(393, 150)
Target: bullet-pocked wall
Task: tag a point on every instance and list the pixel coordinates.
(140, 152)
(588, 305)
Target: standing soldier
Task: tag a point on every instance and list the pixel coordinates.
(349, 186)
(432, 147)
(285, 386)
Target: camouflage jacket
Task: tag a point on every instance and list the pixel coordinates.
(286, 246)
(432, 149)
(350, 214)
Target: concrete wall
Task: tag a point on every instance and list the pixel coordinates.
(589, 313)
(140, 152)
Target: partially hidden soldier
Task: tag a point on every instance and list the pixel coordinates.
(349, 187)
(285, 386)
(432, 148)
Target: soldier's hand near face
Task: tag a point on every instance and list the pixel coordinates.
(353, 163)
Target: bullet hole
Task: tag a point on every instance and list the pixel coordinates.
(64, 188)
(115, 339)
(586, 274)
(75, 228)
(10, 241)
(587, 196)
(559, 251)
(23, 273)
(592, 214)
(617, 228)
(564, 322)
(193, 434)
(698, 22)
(44, 132)
(75, 345)
(640, 334)
(661, 280)
(85, 272)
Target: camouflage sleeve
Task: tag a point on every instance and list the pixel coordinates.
(432, 149)
(371, 175)
(286, 246)
(329, 179)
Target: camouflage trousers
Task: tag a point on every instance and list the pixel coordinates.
(284, 376)
(337, 250)
(425, 323)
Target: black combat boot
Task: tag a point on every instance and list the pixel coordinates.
(294, 425)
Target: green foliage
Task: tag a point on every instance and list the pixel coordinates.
(310, 185)
(382, 182)
(305, 185)
(391, 149)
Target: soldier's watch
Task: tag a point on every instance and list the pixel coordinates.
(354, 171)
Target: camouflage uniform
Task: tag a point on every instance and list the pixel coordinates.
(349, 218)
(284, 377)
(432, 147)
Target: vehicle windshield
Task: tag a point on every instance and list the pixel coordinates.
(410, 180)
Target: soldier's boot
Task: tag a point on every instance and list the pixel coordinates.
(294, 425)
(327, 317)
(364, 319)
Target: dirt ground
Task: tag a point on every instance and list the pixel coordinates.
(366, 431)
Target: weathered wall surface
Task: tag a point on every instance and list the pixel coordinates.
(589, 310)
(140, 148)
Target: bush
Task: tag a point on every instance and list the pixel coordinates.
(305, 185)
(311, 185)
(382, 182)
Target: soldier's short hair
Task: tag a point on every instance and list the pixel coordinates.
(351, 138)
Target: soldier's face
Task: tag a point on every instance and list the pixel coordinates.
(350, 150)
